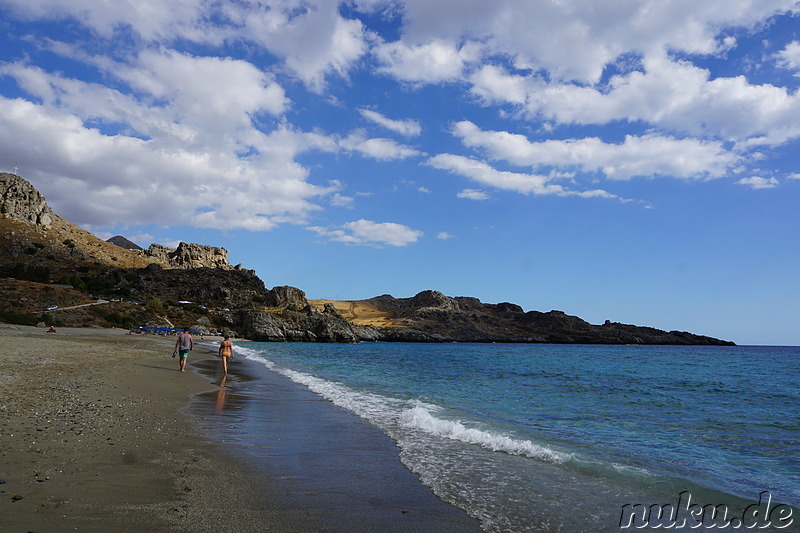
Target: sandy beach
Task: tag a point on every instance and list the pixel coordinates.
(91, 438)
(97, 433)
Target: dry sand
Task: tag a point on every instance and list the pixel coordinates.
(91, 439)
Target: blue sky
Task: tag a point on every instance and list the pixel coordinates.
(621, 160)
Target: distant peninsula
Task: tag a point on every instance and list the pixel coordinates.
(55, 273)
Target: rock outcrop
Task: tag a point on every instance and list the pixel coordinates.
(430, 316)
(308, 325)
(20, 201)
(211, 287)
(189, 255)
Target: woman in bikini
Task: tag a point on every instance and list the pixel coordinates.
(225, 352)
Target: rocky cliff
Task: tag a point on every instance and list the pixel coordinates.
(430, 316)
(20, 201)
(188, 255)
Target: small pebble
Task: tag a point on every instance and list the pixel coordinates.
(16, 497)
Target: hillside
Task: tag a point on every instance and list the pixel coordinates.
(57, 273)
(430, 316)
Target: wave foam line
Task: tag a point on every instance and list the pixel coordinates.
(382, 411)
(372, 407)
(420, 418)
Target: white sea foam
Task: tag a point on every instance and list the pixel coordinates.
(392, 414)
(420, 417)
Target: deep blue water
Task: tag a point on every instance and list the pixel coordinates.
(560, 437)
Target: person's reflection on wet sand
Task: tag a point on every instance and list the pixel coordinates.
(222, 394)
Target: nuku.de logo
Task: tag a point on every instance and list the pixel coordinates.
(684, 514)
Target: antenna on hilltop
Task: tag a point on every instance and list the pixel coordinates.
(16, 169)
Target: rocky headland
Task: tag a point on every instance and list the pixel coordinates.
(58, 273)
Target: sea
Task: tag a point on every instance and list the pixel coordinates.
(539, 437)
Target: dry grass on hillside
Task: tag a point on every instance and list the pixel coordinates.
(360, 312)
(62, 244)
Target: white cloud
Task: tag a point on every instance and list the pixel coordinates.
(338, 200)
(648, 155)
(424, 190)
(668, 94)
(142, 239)
(201, 100)
(577, 39)
(505, 180)
(367, 232)
(407, 127)
(789, 57)
(152, 20)
(757, 182)
(310, 35)
(473, 194)
(444, 236)
(97, 179)
(795, 176)
(432, 62)
(377, 148)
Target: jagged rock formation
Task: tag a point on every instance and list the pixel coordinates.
(212, 287)
(189, 255)
(20, 201)
(307, 325)
(430, 316)
(122, 242)
(286, 297)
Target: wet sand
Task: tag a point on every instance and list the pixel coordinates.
(96, 435)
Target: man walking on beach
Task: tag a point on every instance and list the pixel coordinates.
(184, 345)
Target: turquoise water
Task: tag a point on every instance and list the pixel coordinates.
(560, 437)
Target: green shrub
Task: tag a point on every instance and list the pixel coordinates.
(21, 319)
(115, 318)
(39, 274)
(74, 280)
(154, 305)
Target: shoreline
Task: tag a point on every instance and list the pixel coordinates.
(99, 431)
(92, 437)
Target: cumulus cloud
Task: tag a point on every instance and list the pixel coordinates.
(407, 127)
(789, 57)
(339, 200)
(444, 236)
(574, 40)
(378, 148)
(473, 194)
(311, 36)
(99, 179)
(757, 182)
(153, 21)
(369, 233)
(648, 155)
(672, 95)
(501, 179)
(432, 62)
